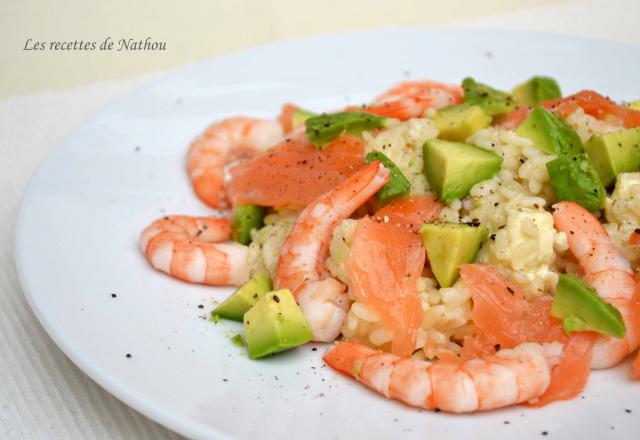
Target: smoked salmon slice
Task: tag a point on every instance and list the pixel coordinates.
(384, 264)
(570, 376)
(504, 317)
(295, 172)
(502, 313)
(411, 212)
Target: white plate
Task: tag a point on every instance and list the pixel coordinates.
(80, 219)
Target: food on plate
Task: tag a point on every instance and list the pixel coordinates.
(196, 250)
(465, 247)
(236, 305)
(535, 90)
(453, 168)
(615, 153)
(274, 324)
(449, 246)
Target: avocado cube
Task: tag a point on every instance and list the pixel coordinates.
(492, 101)
(246, 218)
(323, 129)
(452, 168)
(299, 116)
(615, 153)
(398, 185)
(574, 178)
(536, 90)
(549, 133)
(581, 309)
(458, 122)
(634, 105)
(244, 298)
(450, 245)
(274, 324)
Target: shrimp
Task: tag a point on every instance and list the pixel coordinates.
(634, 238)
(635, 367)
(196, 250)
(410, 99)
(323, 300)
(606, 270)
(511, 376)
(222, 143)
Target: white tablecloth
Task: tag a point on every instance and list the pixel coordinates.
(42, 394)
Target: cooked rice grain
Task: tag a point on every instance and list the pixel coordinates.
(402, 143)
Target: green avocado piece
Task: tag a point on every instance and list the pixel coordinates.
(458, 122)
(299, 116)
(397, 185)
(615, 153)
(244, 298)
(450, 245)
(536, 90)
(452, 168)
(492, 101)
(634, 105)
(581, 309)
(549, 133)
(323, 129)
(574, 178)
(246, 218)
(274, 324)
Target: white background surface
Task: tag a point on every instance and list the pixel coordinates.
(43, 395)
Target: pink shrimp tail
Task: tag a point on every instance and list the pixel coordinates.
(343, 356)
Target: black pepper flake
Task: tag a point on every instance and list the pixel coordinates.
(637, 230)
(128, 355)
(436, 410)
(276, 298)
(493, 236)
(628, 411)
(225, 380)
(113, 295)
(314, 349)
(506, 422)
(545, 432)
(497, 347)
(510, 290)
(200, 306)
